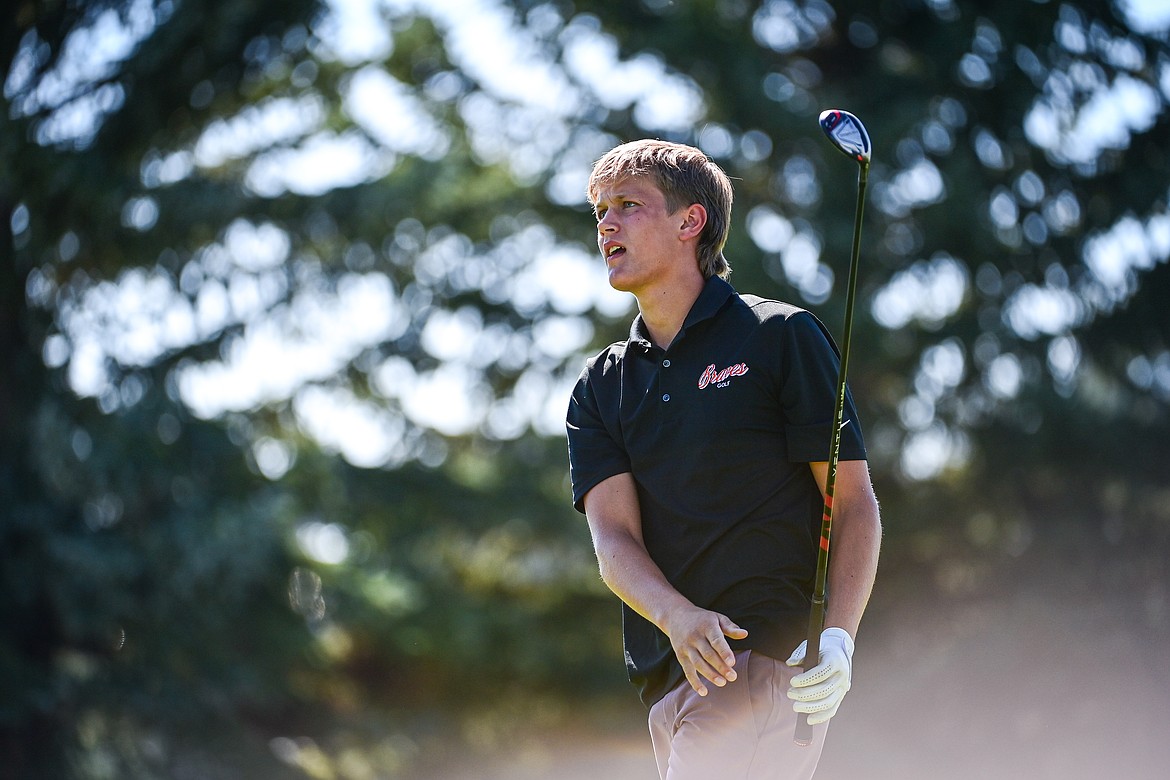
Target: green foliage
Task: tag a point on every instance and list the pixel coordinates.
(220, 582)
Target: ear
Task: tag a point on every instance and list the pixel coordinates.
(694, 219)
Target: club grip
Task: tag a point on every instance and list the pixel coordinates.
(803, 735)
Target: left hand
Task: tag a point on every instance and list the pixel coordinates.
(819, 691)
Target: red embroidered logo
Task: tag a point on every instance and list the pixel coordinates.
(721, 378)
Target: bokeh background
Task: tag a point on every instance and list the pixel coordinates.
(292, 294)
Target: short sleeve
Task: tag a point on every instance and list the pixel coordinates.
(808, 393)
(595, 451)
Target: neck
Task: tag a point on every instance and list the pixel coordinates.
(664, 310)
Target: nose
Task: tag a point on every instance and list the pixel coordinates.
(605, 224)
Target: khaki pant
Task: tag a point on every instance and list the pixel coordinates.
(742, 731)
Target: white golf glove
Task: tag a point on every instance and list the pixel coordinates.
(819, 691)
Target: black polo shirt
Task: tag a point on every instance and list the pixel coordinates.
(717, 430)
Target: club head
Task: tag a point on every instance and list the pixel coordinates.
(847, 134)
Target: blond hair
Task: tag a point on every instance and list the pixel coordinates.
(684, 175)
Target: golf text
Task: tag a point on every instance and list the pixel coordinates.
(720, 378)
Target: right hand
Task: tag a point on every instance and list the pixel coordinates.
(699, 638)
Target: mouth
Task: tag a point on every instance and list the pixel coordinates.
(613, 250)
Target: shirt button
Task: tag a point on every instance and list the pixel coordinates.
(666, 397)
(666, 363)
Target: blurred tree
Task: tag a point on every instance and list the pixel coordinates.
(292, 293)
(136, 573)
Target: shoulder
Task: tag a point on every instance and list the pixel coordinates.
(615, 352)
(606, 360)
(766, 309)
(787, 322)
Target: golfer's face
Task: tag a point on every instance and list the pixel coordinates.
(638, 238)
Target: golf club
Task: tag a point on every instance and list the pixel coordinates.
(846, 133)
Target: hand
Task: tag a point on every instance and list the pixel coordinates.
(698, 638)
(819, 691)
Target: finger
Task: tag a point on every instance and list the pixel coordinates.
(725, 668)
(817, 674)
(817, 692)
(714, 667)
(830, 702)
(695, 681)
(730, 629)
(797, 657)
(718, 654)
(699, 669)
(822, 717)
(820, 714)
(716, 677)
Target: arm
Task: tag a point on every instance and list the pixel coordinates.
(856, 540)
(697, 635)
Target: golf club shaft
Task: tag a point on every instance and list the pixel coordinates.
(816, 619)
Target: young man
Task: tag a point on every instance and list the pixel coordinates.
(698, 451)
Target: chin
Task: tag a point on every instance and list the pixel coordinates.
(625, 278)
(625, 288)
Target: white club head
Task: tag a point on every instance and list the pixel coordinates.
(847, 134)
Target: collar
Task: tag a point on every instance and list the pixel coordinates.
(712, 297)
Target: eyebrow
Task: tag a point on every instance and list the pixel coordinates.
(612, 198)
(622, 195)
